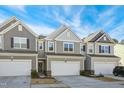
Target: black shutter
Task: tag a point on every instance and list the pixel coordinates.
(99, 48)
(84, 48)
(28, 45)
(109, 49)
(12, 42)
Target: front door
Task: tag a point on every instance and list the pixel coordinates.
(40, 67)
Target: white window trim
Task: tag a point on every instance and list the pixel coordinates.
(39, 46)
(104, 48)
(68, 47)
(48, 46)
(19, 43)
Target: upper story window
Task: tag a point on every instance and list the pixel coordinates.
(51, 46)
(68, 46)
(20, 42)
(40, 45)
(19, 27)
(90, 49)
(82, 48)
(104, 49)
(0, 41)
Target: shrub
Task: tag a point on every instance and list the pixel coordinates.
(84, 73)
(100, 75)
(34, 74)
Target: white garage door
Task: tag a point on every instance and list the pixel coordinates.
(104, 68)
(60, 68)
(15, 67)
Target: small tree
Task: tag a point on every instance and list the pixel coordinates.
(115, 40)
(122, 41)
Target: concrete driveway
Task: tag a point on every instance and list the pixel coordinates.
(15, 82)
(86, 82)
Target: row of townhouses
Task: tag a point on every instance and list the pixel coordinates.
(60, 53)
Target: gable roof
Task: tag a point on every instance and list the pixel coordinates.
(59, 31)
(89, 37)
(8, 23)
(14, 25)
(54, 34)
(96, 36)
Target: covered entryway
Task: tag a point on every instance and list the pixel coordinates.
(15, 67)
(104, 67)
(62, 68)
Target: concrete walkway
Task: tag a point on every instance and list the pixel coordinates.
(86, 82)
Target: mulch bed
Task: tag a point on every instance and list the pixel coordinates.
(45, 80)
(107, 79)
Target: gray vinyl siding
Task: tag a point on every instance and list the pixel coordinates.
(59, 47)
(105, 41)
(33, 58)
(15, 33)
(77, 48)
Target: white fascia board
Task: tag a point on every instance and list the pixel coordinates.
(7, 21)
(17, 23)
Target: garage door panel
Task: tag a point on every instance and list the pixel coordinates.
(15, 68)
(104, 68)
(65, 68)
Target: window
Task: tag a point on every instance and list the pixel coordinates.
(82, 48)
(65, 47)
(41, 45)
(19, 27)
(51, 46)
(105, 49)
(90, 49)
(0, 41)
(20, 42)
(68, 46)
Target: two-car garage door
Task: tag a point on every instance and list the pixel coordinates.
(15, 67)
(104, 68)
(60, 68)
